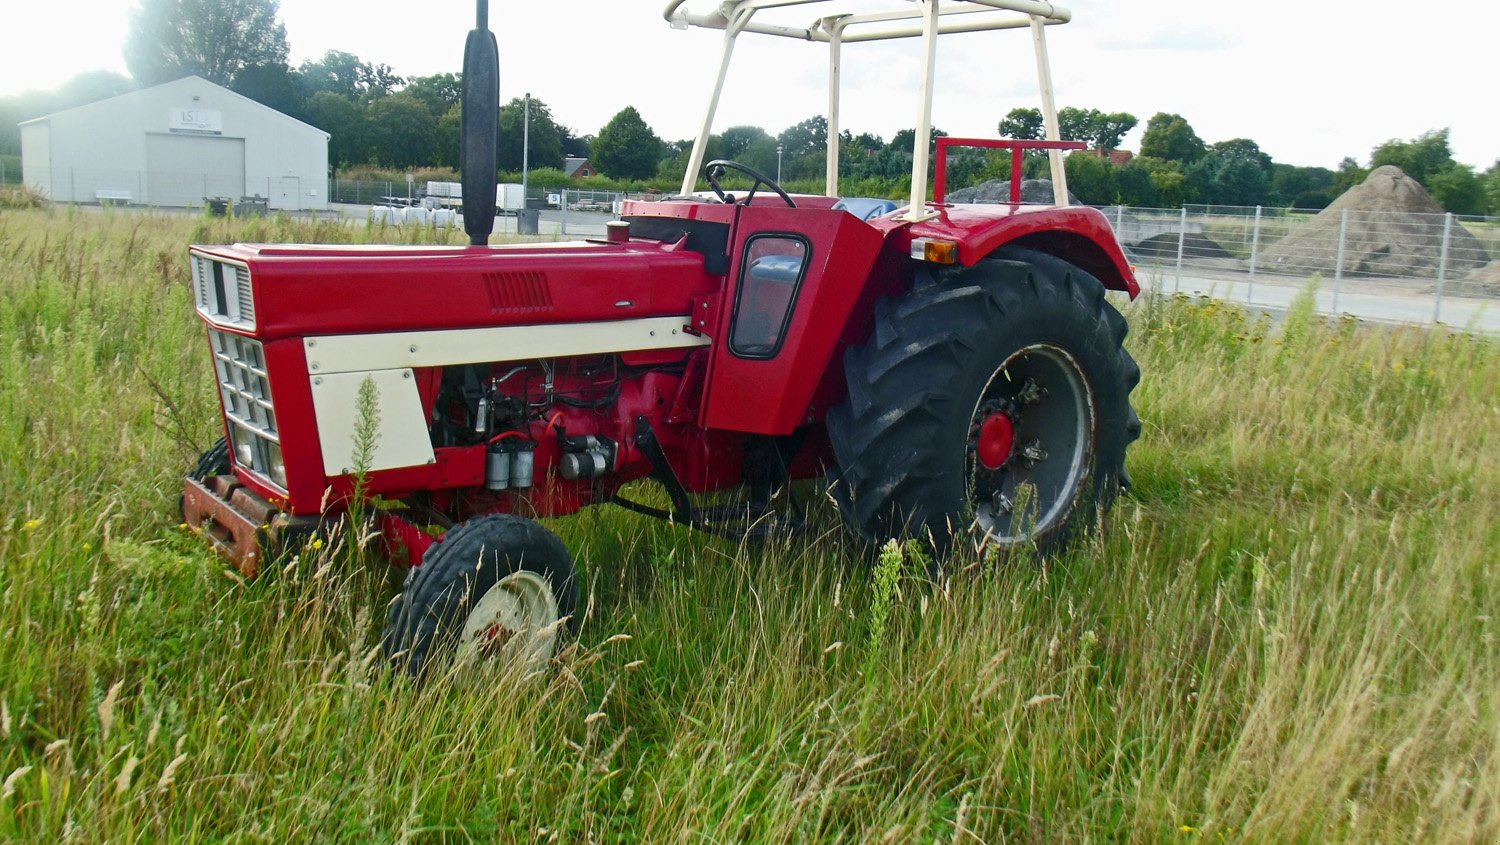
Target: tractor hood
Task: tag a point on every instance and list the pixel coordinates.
(300, 290)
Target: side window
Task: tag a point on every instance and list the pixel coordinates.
(770, 275)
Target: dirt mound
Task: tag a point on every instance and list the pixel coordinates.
(1163, 247)
(1395, 229)
(1484, 282)
(1034, 191)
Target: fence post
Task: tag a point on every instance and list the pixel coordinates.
(1437, 308)
(562, 205)
(1181, 238)
(1119, 221)
(1338, 263)
(1254, 249)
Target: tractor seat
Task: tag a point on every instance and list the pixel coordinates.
(865, 208)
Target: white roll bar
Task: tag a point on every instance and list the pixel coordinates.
(927, 20)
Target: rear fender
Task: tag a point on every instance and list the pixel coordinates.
(1078, 235)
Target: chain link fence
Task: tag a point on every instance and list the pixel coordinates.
(1435, 267)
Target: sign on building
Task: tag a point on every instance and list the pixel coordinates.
(195, 121)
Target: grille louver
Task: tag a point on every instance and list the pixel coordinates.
(518, 292)
(222, 292)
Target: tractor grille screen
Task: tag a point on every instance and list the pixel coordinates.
(240, 363)
(222, 292)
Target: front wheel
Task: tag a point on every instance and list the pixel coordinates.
(496, 588)
(993, 405)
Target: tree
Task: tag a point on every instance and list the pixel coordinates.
(1229, 176)
(1090, 178)
(344, 121)
(1419, 158)
(1301, 187)
(439, 92)
(276, 86)
(546, 139)
(1244, 148)
(626, 148)
(1169, 138)
(1457, 189)
(1133, 184)
(1102, 131)
(1023, 125)
(736, 139)
(805, 138)
(1110, 129)
(214, 39)
(404, 131)
(345, 74)
(447, 137)
(1492, 188)
(1347, 176)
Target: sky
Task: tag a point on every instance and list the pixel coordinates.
(1310, 82)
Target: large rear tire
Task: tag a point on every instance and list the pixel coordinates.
(992, 404)
(498, 587)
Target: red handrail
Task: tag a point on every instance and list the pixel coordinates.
(940, 181)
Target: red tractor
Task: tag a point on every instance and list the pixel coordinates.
(954, 371)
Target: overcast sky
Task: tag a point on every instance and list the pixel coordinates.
(1311, 82)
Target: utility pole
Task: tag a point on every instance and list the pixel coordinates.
(778, 162)
(526, 151)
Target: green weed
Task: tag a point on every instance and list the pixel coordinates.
(1286, 632)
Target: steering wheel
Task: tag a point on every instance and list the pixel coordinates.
(715, 169)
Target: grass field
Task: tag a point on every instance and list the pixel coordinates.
(1287, 632)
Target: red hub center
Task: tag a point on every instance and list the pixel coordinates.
(997, 435)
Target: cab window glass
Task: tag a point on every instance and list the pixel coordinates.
(769, 277)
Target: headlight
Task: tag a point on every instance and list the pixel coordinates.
(278, 466)
(244, 449)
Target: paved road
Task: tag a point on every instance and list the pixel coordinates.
(1395, 304)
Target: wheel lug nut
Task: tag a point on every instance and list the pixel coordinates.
(1031, 392)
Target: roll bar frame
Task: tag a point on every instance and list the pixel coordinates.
(927, 21)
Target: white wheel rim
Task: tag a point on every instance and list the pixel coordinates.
(1070, 388)
(514, 622)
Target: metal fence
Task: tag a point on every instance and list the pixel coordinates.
(1387, 264)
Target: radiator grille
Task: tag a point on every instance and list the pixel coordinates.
(245, 388)
(518, 292)
(222, 292)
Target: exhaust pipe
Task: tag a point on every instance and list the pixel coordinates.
(479, 123)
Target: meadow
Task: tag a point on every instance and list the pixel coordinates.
(1287, 631)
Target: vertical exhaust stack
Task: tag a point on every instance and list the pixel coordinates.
(479, 124)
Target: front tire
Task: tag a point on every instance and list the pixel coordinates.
(498, 587)
(992, 404)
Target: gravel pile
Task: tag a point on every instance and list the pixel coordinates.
(1395, 229)
(1034, 191)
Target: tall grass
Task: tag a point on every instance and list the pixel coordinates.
(1286, 632)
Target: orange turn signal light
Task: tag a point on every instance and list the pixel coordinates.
(934, 251)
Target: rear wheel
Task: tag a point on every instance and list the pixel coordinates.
(993, 405)
(496, 588)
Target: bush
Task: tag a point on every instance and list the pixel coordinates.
(21, 197)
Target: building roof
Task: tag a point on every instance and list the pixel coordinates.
(572, 164)
(185, 82)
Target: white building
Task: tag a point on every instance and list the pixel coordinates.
(174, 145)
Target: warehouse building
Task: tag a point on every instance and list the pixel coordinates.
(176, 144)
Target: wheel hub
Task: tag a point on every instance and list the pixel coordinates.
(1029, 443)
(997, 437)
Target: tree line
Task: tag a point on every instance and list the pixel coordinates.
(379, 119)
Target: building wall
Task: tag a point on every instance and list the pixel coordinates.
(36, 157)
(175, 144)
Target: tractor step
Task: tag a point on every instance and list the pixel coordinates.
(242, 527)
